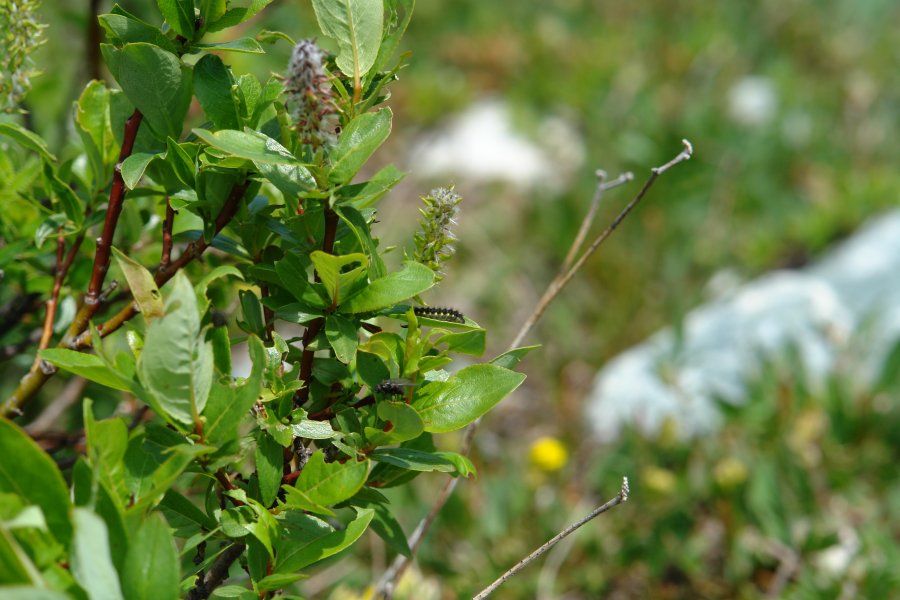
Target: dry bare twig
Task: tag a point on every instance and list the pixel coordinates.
(568, 269)
(621, 497)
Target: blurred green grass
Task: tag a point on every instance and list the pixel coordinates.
(635, 78)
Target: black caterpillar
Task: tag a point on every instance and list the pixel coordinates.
(439, 313)
(392, 387)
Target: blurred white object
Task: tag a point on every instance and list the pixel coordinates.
(844, 309)
(752, 101)
(481, 145)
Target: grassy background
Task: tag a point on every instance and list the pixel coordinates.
(754, 509)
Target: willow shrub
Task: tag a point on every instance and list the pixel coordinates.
(203, 471)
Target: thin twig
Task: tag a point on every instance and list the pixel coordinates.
(384, 588)
(195, 249)
(63, 262)
(217, 573)
(34, 380)
(166, 256)
(560, 282)
(621, 497)
(50, 415)
(587, 221)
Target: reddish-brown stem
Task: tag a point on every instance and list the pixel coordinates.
(104, 242)
(313, 329)
(63, 262)
(195, 249)
(34, 380)
(166, 256)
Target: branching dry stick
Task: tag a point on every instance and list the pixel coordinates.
(602, 187)
(385, 586)
(621, 497)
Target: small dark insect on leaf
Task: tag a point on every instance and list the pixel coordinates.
(393, 387)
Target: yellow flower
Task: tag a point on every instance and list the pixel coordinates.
(548, 454)
(656, 479)
(730, 472)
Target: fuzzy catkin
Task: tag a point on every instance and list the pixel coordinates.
(20, 35)
(309, 96)
(434, 241)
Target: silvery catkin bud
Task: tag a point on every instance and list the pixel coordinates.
(434, 241)
(21, 35)
(309, 96)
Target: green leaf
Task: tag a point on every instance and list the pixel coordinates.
(414, 460)
(291, 180)
(356, 26)
(237, 15)
(92, 119)
(365, 194)
(302, 544)
(226, 408)
(143, 287)
(15, 565)
(327, 484)
(212, 85)
(463, 465)
(292, 273)
(91, 561)
(388, 529)
(313, 430)
(107, 441)
(354, 221)
(342, 337)
(278, 581)
(332, 273)
(358, 141)
(218, 273)
(248, 144)
(123, 29)
(27, 139)
(465, 342)
(152, 567)
(176, 365)
(183, 160)
(176, 503)
(151, 469)
(158, 84)
(269, 467)
(468, 394)
(246, 45)
(211, 11)
(391, 289)
(179, 14)
(405, 423)
(511, 358)
(400, 12)
(134, 166)
(88, 366)
(59, 190)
